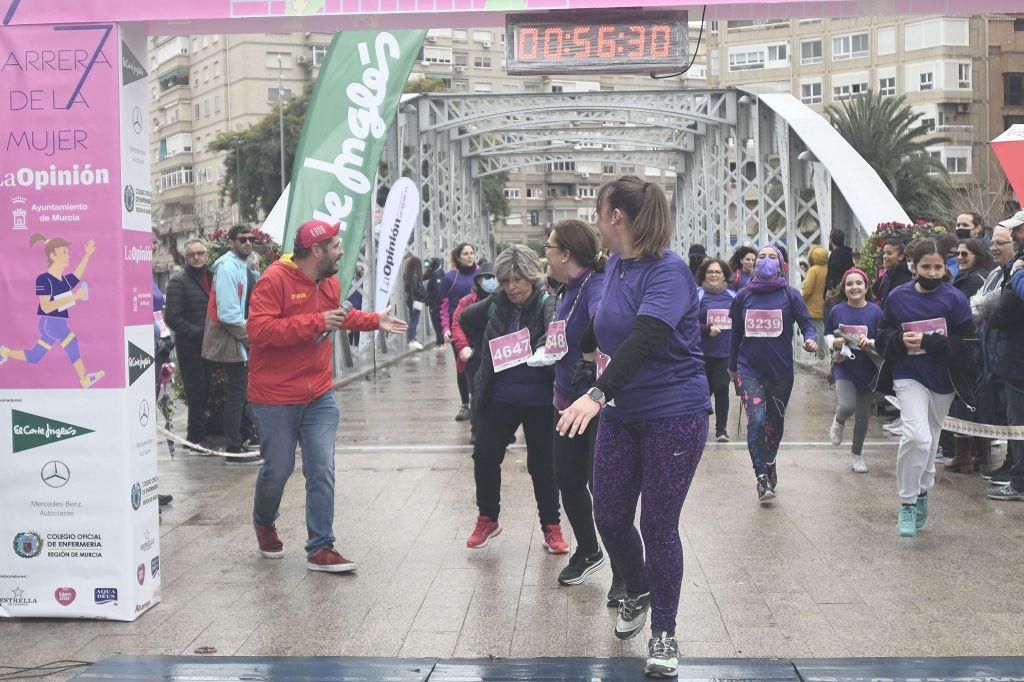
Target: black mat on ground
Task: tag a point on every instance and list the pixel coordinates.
(951, 669)
(253, 668)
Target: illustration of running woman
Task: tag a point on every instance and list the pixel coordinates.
(57, 293)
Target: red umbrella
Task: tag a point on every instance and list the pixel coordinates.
(1009, 149)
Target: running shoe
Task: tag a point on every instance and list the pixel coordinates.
(857, 464)
(943, 456)
(632, 615)
(895, 427)
(1003, 468)
(463, 415)
(242, 457)
(906, 524)
(616, 593)
(1004, 492)
(662, 656)
(1000, 476)
(773, 476)
(580, 566)
(921, 512)
(835, 433)
(722, 436)
(486, 528)
(415, 345)
(554, 543)
(91, 378)
(328, 560)
(271, 546)
(764, 490)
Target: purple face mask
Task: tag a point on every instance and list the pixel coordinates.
(767, 268)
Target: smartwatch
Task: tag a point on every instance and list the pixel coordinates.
(596, 394)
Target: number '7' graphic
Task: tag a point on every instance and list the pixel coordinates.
(107, 29)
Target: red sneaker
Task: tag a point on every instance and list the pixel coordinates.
(486, 528)
(271, 546)
(328, 560)
(554, 543)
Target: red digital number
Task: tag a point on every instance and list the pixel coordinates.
(528, 39)
(638, 41)
(605, 46)
(663, 34)
(584, 47)
(553, 52)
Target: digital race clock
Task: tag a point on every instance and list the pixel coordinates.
(567, 42)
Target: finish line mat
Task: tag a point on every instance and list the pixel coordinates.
(358, 669)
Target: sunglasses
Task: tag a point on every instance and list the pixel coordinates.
(963, 254)
(196, 254)
(246, 240)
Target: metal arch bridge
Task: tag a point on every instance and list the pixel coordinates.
(748, 167)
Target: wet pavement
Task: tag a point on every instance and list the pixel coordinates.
(821, 573)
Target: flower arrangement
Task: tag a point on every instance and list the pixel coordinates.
(871, 255)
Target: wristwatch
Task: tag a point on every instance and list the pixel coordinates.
(596, 394)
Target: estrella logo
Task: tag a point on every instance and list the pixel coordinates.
(298, 297)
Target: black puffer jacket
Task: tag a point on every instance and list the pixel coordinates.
(478, 322)
(185, 307)
(970, 281)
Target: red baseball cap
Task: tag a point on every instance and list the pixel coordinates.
(314, 232)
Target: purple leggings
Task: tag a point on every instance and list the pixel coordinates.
(656, 459)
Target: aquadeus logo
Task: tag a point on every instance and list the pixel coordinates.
(30, 431)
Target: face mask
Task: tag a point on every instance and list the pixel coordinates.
(489, 285)
(767, 268)
(928, 283)
(963, 232)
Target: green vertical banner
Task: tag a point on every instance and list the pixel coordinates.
(354, 102)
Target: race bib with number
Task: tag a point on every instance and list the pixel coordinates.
(557, 345)
(510, 350)
(601, 360)
(763, 323)
(935, 325)
(158, 317)
(719, 317)
(854, 329)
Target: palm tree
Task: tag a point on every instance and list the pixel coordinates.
(891, 138)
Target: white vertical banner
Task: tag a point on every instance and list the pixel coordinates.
(396, 223)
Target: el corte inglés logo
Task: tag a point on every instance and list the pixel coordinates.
(32, 431)
(138, 362)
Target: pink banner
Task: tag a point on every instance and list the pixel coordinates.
(60, 218)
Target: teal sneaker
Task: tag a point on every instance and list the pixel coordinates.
(922, 510)
(906, 526)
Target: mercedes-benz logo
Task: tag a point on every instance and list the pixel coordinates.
(144, 412)
(55, 474)
(137, 120)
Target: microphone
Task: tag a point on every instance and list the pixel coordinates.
(345, 307)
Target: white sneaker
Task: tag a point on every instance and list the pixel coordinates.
(895, 427)
(835, 434)
(415, 345)
(857, 464)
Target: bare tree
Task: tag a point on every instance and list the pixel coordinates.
(993, 201)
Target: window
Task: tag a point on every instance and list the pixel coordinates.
(511, 192)
(216, 102)
(206, 74)
(744, 59)
(586, 191)
(847, 88)
(887, 86)
(460, 59)
(195, 111)
(482, 36)
(958, 160)
(206, 107)
(460, 35)
(461, 86)
(1018, 25)
(437, 55)
(482, 62)
(534, 217)
(951, 31)
(531, 86)
(561, 166)
(963, 76)
(778, 53)
(1013, 89)
(557, 88)
(810, 92)
(850, 46)
(318, 54)
(927, 80)
(627, 169)
(176, 178)
(534, 192)
(216, 68)
(482, 87)
(886, 40)
(272, 94)
(510, 87)
(608, 168)
(810, 51)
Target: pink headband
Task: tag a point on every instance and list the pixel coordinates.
(856, 271)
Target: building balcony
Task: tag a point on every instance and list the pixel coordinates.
(168, 129)
(171, 161)
(174, 62)
(177, 195)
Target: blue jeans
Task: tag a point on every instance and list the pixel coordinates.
(281, 428)
(414, 321)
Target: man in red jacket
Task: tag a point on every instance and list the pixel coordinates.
(293, 304)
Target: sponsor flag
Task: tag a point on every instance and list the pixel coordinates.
(354, 103)
(396, 225)
(1009, 149)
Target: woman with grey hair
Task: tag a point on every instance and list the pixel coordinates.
(512, 324)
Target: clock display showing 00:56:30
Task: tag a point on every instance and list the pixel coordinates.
(600, 41)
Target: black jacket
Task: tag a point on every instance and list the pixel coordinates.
(970, 281)
(185, 307)
(839, 261)
(478, 323)
(888, 280)
(415, 291)
(1007, 323)
(433, 277)
(960, 352)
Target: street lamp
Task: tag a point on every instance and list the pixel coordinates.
(280, 114)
